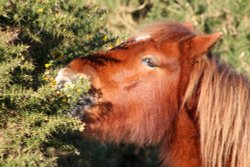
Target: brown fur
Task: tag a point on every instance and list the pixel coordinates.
(196, 109)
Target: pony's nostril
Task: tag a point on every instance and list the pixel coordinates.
(87, 101)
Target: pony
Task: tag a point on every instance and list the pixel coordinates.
(163, 86)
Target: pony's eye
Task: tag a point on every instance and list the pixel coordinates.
(149, 62)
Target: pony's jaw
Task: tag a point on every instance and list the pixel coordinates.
(115, 120)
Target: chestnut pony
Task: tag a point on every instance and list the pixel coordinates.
(164, 87)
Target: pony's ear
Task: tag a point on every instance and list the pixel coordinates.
(189, 25)
(200, 44)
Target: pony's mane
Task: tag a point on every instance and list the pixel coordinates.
(162, 31)
(223, 112)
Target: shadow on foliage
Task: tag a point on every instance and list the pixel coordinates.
(93, 154)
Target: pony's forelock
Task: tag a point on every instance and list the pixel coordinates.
(223, 114)
(162, 31)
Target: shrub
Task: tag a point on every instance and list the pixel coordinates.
(36, 38)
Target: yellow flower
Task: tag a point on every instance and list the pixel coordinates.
(110, 46)
(88, 37)
(117, 42)
(105, 38)
(48, 65)
(40, 10)
(53, 82)
(45, 78)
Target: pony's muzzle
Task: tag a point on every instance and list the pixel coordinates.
(65, 77)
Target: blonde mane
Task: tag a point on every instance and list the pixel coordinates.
(223, 114)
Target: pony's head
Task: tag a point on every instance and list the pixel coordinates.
(138, 87)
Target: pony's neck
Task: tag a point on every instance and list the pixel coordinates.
(183, 150)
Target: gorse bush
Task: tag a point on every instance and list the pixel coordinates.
(36, 37)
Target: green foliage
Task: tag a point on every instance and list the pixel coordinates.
(36, 38)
